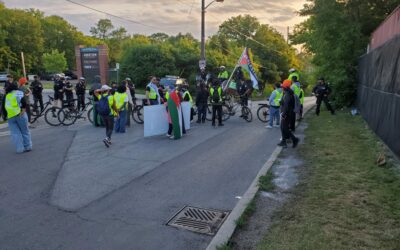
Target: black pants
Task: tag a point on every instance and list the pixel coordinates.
(70, 99)
(292, 118)
(285, 129)
(38, 99)
(201, 111)
(217, 108)
(81, 101)
(327, 104)
(108, 121)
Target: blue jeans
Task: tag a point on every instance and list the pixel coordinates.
(274, 115)
(120, 122)
(20, 134)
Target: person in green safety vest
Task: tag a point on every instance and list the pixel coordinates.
(152, 94)
(293, 72)
(103, 95)
(216, 101)
(121, 103)
(223, 74)
(274, 106)
(187, 97)
(15, 109)
(301, 103)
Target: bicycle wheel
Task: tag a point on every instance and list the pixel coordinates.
(138, 114)
(225, 112)
(51, 116)
(247, 115)
(263, 114)
(90, 115)
(67, 116)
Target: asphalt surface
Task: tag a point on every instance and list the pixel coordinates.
(71, 192)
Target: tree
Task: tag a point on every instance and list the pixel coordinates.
(337, 33)
(54, 62)
(103, 29)
(143, 60)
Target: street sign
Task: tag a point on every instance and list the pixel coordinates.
(117, 65)
(202, 64)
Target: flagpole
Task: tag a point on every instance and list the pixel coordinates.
(233, 72)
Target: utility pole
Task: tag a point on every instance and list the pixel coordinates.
(287, 33)
(202, 62)
(23, 63)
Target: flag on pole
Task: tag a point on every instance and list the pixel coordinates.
(246, 64)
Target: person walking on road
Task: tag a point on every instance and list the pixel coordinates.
(322, 92)
(287, 107)
(80, 90)
(106, 107)
(121, 102)
(14, 108)
(216, 100)
(97, 122)
(37, 89)
(152, 95)
(201, 103)
(274, 106)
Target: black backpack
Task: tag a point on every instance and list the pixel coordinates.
(102, 106)
(215, 97)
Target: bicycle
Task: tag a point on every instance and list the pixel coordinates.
(231, 108)
(69, 114)
(49, 113)
(263, 112)
(138, 112)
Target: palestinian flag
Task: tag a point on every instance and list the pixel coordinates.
(175, 112)
(246, 64)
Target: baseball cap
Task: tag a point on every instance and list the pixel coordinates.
(105, 88)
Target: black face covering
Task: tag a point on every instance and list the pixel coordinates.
(11, 87)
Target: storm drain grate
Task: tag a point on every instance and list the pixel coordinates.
(199, 220)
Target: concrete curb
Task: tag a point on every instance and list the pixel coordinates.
(228, 228)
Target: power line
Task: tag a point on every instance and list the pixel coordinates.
(112, 15)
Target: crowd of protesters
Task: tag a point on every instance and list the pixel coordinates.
(114, 102)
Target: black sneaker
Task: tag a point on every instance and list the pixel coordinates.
(106, 143)
(282, 144)
(295, 142)
(221, 124)
(203, 121)
(198, 121)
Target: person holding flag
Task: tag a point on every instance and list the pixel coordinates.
(175, 117)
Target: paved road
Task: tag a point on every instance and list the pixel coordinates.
(73, 193)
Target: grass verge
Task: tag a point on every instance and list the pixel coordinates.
(265, 183)
(347, 202)
(242, 220)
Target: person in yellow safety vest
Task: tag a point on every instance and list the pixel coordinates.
(216, 101)
(301, 103)
(121, 102)
(223, 74)
(14, 107)
(187, 97)
(103, 95)
(152, 94)
(293, 72)
(274, 106)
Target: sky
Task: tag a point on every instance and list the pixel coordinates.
(167, 16)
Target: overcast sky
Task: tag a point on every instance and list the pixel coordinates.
(168, 16)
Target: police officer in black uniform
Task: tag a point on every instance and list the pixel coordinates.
(59, 91)
(37, 89)
(322, 92)
(80, 90)
(69, 92)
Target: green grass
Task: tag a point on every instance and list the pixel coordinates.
(224, 247)
(265, 183)
(250, 209)
(347, 202)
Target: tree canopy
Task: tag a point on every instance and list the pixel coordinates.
(337, 34)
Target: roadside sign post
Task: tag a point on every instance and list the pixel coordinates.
(117, 67)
